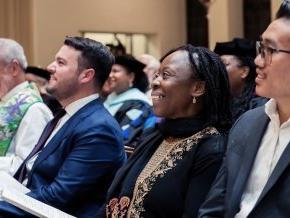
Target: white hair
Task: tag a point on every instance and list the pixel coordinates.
(12, 50)
(150, 61)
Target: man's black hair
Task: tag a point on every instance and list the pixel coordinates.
(93, 55)
(284, 10)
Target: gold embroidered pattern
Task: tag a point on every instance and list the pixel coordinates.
(117, 208)
(164, 159)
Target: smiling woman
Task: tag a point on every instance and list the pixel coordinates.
(171, 172)
(238, 56)
(128, 102)
(175, 88)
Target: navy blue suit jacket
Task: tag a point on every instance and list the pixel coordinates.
(75, 169)
(243, 144)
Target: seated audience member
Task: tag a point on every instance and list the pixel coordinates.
(151, 65)
(106, 90)
(41, 77)
(171, 172)
(238, 56)
(23, 115)
(117, 48)
(254, 178)
(75, 160)
(151, 68)
(127, 102)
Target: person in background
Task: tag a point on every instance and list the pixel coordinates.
(117, 48)
(238, 56)
(106, 90)
(23, 115)
(127, 102)
(151, 68)
(254, 179)
(40, 77)
(80, 150)
(172, 169)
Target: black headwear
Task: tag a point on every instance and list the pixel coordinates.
(238, 46)
(38, 72)
(243, 49)
(135, 66)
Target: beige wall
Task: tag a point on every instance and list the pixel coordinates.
(41, 25)
(15, 23)
(275, 4)
(225, 21)
(54, 19)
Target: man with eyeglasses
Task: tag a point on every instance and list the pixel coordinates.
(254, 180)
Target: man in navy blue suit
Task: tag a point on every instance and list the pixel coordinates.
(78, 160)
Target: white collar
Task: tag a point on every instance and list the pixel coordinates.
(73, 107)
(15, 90)
(271, 111)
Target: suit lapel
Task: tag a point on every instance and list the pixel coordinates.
(252, 143)
(282, 163)
(65, 130)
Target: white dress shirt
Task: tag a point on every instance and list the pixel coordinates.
(272, 146)
(27, 134)
(71, 109)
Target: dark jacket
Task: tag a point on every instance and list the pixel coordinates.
(179, 183)
(243, 144)
(76, 167)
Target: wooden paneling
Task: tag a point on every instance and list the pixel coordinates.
(257, 16)
(197, 24)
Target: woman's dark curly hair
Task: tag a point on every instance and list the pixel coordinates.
(207, 66)
(248, 92)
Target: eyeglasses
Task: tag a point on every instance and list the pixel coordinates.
(266, 52)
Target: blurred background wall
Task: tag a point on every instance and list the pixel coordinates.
(41, 25)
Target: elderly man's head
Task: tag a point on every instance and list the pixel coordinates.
(12, 65)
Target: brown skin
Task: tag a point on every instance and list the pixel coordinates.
(106, 89)
(120, 79)
(237, 74)
(273, 79)
(174, 87)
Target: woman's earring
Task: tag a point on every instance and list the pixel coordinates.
(193, 100)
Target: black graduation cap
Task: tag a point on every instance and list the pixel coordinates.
(130, 63)
(133, 65)
(238, 47)
(38, 72)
